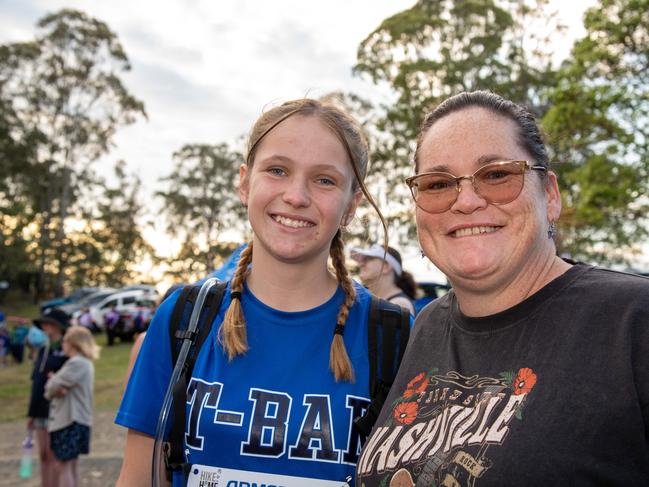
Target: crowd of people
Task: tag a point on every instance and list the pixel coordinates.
(532, 370)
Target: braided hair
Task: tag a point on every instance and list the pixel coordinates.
(232, 332)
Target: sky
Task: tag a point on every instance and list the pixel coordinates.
(206, 69)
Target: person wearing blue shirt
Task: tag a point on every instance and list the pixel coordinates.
(285, 369)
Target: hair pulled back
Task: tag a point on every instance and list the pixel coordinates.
(405, 282)
(529, 135)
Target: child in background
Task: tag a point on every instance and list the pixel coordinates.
(70, 391)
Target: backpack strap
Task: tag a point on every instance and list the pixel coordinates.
(388, 331)
(174, 456)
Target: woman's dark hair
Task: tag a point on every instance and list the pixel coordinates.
(529, 135)
(405, 281)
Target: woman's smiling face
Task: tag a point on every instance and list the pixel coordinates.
(298, 190)
(476, 243)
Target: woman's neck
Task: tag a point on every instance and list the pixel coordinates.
(488, 301)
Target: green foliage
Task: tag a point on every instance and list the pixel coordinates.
(63, 91)
(110, 373)
(598, 126)
(110, 245)
(201, 203)
(594, 107)
(436, 49)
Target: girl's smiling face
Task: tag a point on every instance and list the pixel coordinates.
(298, 190)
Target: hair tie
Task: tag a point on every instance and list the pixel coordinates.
(339, 330)
(235, 295)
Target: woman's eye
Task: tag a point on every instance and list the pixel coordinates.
(276, 171)
(495, 174)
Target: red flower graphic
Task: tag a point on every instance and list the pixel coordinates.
(417, 385)
(524, 381)
(405, 412)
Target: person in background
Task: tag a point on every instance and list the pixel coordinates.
(532, 370)
(18, 340)
(384, 276)
(71, 393)
(85, 319)
(49, 358)
(5, 346)
(111, 320)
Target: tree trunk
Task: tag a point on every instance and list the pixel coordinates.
(60, 233)
(44, 240)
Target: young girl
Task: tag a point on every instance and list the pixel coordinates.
(285, 370)
(385, 277)
(70, 393)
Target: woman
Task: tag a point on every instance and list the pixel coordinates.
(285, 368)
(71, 393)
(383, 275)
(50, 358)
(533, 370)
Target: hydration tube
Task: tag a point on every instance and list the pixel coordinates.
(180, 363)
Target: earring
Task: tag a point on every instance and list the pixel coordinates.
(552, 230)
(422, 253)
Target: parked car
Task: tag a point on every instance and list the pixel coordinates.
(133, 318)
(430, 291)
(150, 291)
(86, 302)
(99, 308)
(73, 297)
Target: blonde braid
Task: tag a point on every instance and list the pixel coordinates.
(339, 362)
(232, 333)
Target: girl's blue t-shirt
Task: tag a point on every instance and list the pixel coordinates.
(274, 416)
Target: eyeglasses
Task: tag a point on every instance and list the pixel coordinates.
(498, 183)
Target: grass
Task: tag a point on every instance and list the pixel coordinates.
(110, 371)
(15, 380)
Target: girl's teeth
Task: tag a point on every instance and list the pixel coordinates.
(288, 222)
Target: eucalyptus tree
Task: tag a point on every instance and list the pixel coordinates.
(598, 126)
(110, 245)
(438, 48)
(202, 206)
(66, 85)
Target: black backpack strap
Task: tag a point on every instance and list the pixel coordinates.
(174, 456)
(180, 317)
(388, 331)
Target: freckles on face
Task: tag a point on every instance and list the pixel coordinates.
(475, 238)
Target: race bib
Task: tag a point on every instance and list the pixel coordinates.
(207, 476)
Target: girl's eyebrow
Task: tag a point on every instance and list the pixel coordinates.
(315, 168)
(276, 157)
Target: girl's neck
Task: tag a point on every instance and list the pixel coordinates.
(290, 286)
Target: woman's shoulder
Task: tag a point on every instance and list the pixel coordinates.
(601, 281)
(78, 361)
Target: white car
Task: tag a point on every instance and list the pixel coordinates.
(95, 318)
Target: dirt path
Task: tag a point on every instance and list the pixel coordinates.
(99, 469)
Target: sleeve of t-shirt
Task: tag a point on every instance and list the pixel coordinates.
(144, 394)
